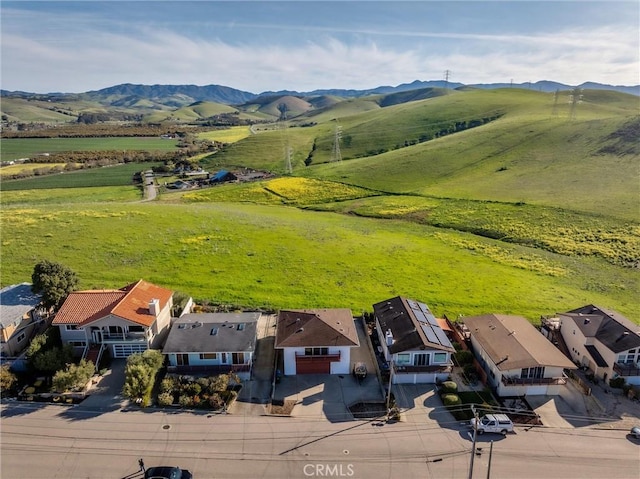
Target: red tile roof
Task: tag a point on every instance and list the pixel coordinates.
(316, 328)
(130, 303)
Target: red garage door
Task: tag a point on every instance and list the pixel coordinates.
(311, 365)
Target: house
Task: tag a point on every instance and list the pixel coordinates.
(603, 341)
(222, 176)
(129, 320)
(412, 341)
(517, 358)
(19, 317)
(213, 343)
(316, 341)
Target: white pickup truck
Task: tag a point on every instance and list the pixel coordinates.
(499, 423)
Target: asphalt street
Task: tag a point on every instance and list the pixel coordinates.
(52, 441)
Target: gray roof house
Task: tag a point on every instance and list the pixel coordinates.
(19, 315)
(603, 341)
(212, 343)
(518, 359)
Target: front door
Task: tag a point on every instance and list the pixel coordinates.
(96, 335)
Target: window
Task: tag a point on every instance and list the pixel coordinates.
(20, 337)
(78, 344)
(214, 331)
(421, 359)
(439, 358)
(208, 356)
(72, 327)
(316, 351)
(403, 358)
(136, 329)
(238, 358)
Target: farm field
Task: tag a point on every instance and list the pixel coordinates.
(56, 196)
(116, 175)
(283, 257)
(15, 148)
(9, 170)
(226, 135)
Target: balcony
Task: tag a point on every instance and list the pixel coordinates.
(433, 368)
(627, 369)
(120, 337)
(507, 381)
(210, 369)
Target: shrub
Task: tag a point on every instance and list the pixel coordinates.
(451, 400)
(167, 385)
(75, 376)
(216, 402)
(219, 383)
(165, 399)
(140, 374)
(617, 383)
(185, 401)
(193, 389)
(470, 372)
(449, 387)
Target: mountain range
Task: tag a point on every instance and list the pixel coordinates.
(180, 95)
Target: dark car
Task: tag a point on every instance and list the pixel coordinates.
(167, 472)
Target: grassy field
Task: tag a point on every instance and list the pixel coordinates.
(282, 257)
(227, 135)
(531, 213)
(14, 148)
(117, 175)
(9, 170)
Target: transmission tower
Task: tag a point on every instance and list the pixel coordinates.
(575, 97)
(336, 155)
(447, 75)
(554, 112)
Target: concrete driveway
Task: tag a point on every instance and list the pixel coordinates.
(106, 395)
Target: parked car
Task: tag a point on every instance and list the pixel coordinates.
(499, 423)
(167, 472)
(635, 432)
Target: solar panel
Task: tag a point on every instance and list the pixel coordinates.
(442, 337)
(431, 336)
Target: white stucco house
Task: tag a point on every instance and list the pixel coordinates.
(413, 341)
(316, 341)
(603, 341)
(212, 343)
(129, 320)
(518, 359)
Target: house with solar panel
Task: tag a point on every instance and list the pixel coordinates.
(413, 341)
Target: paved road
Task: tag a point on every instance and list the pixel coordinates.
(49, 441)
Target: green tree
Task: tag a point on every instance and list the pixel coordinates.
(51, 360)
(54, 282)
(7, 379)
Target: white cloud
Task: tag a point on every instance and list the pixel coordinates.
(83, 62)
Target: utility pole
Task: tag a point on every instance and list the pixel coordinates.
(389, 389)
(475, 435)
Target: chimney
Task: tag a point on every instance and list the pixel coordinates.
(389, 337)
(154, 307)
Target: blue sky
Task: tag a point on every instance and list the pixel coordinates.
(304, 45)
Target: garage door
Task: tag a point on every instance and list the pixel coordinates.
(311, 365)
(125, 350)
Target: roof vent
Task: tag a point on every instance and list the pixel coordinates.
(197, 324)
(587, 320)
(299, 330)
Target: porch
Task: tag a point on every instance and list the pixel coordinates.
(624, 369)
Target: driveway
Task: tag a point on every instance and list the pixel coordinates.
(106, 395)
